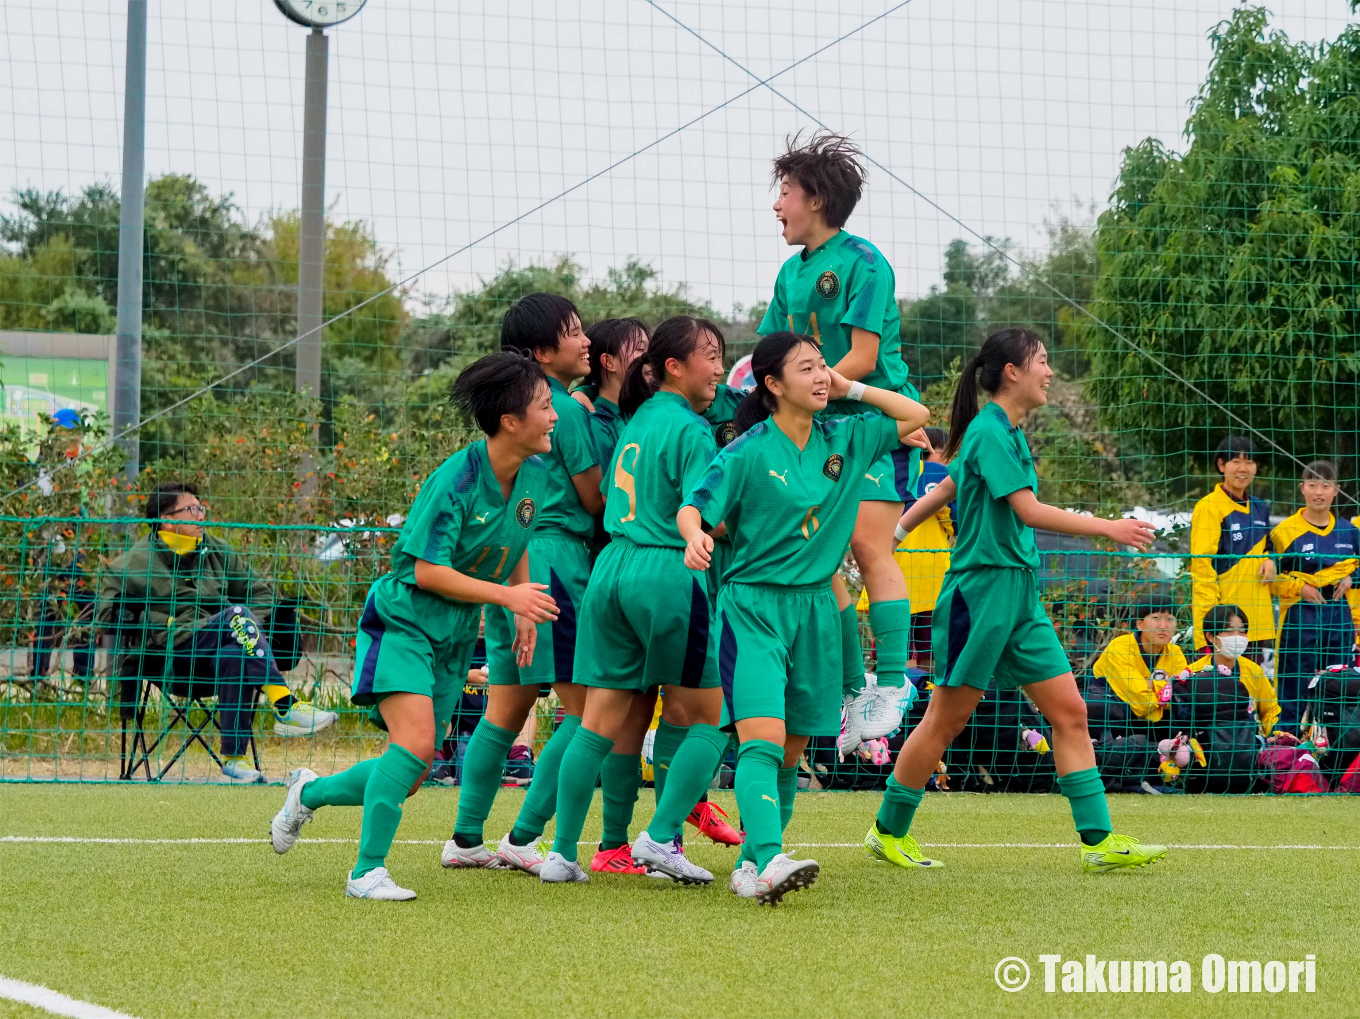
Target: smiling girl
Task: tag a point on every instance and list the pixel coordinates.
(989, 624)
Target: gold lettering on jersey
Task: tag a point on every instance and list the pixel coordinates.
(812, 329)
(624, 482)
(811, 519)
(505, 551)
(781, 477)
(473, 567)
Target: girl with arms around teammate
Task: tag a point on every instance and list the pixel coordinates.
(989, 625)
(420, 620)
(787, 490)
(645, 617)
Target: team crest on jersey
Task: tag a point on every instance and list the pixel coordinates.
(833, 465)
(727, 431)
(828, 284)
(525, 511)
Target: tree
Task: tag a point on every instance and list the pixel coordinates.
(1234, 264)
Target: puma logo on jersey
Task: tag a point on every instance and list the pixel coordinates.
(871, 477)
(781, 477)
(482, 519)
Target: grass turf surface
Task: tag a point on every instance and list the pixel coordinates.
(164, 930)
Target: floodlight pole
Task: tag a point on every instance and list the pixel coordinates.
(312, 228)
(127, 381)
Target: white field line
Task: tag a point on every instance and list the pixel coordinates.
(51, 1001)
(79, 840)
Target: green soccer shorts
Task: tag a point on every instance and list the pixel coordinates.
(892, 478)
(645, 621)
(562, 562)
(411, 641)
(779, 656)
(719, 561)
(990, 627)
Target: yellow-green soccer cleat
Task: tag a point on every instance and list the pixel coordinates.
(1117, 852)
(903, 852)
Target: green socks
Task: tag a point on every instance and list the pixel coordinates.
(1085, 794)
(385, 792)
(788, 789)
(691, 772)
(541, 800)
(898, 808)
(852, 655)
(345, 789)
(667, 744)
(483, 766)
(579, 768)
(620, 781)
(891, 623)
(757, 789)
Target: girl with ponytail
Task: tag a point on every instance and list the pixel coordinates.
(989, 625)
(645, 618)
(615, 343)
(788, 491)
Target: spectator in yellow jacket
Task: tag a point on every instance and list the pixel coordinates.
(1137, 667)
(1317, 560)
(1228, 564)
(921, 555)
(1226, 628)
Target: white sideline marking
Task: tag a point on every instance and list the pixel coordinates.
(77, 840)
(51, 1001)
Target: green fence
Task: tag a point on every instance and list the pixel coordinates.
(75, 706)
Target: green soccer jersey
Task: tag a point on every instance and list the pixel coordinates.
(574, 450)
(461, 518)
(606, 424)
(844, 284)
(663, 452)
(993, 461)
(790, 511)
(721, 412)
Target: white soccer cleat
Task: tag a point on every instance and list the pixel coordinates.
(525, 858)
(288, 822)
(669, 858)
(303, 720)
(556, 869)
(378, 885)
(240, 773)
(743, 883)
(455, 855)
(885, 714)
(782, 875)
(848, 741)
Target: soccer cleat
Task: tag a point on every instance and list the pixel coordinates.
(711, 820)
(525, 858)
(558, 870)
(240, 773)
(903, 852)
(1117, 852)
(616, 861)
(455, 856)
(288, 822)
(669, 858)
(848, 741)
(303, 720)
(782, 875)
(378, 885)
(519, 766)
(884, 716)
(743, 883)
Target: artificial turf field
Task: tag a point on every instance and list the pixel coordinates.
(214, 928)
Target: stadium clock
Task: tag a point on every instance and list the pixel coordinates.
(319, 13)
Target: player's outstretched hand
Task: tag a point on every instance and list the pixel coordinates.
(1137, 533)
(530, 601)
(699, 552)
(526, 638)
(840, 385)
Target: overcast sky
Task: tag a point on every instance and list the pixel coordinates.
(448, 120)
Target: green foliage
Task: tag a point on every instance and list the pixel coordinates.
(1234, 263)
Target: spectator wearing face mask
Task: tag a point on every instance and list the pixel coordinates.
(1226, 628)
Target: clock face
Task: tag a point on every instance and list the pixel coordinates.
(319, 13)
